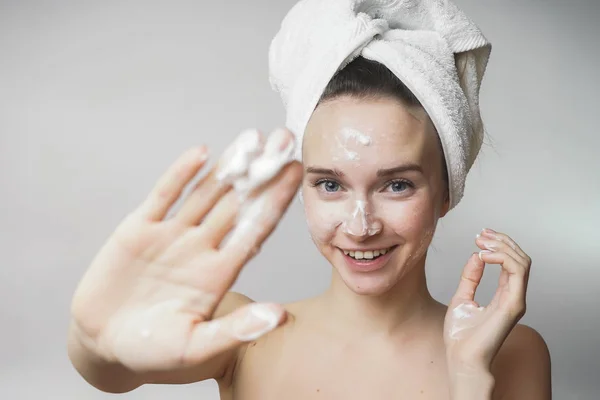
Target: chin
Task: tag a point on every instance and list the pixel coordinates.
(368, 286)
(368, 279)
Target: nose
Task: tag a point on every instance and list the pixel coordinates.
(361, 223)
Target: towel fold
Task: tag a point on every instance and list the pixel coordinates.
(430, 45)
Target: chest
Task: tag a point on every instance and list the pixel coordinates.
(310, 368)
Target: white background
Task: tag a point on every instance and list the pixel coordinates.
(98, 98)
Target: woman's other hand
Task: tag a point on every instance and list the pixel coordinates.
(473, 334)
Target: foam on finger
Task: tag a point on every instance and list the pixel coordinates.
(245, 324)
(248, 166)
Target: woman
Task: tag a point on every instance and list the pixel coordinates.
(154, 306)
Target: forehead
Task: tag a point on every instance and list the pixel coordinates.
(379, 130)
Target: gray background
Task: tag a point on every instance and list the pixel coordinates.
(97, 98)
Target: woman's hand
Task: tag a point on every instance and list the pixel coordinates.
(473, 334)
(148, 298)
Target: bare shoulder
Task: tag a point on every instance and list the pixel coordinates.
(298, 308)
(254, 358)
(522, 367)
(234, 300)
(231, 302)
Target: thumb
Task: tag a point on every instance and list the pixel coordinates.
(245, 324)
(469, 280)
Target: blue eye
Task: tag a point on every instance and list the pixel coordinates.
(399, 186)
(329, 186)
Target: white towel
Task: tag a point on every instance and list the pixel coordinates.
(423, 42)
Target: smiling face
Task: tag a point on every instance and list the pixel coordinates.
(373, 188)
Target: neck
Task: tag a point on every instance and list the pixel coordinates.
(401, 309)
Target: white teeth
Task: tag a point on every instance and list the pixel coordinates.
(368, 255)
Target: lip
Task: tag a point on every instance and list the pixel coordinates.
(368, 266)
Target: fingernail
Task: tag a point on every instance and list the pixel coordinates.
(489, 245)
(484, 252)
(260, 319)
(489, 233)
(202, 154)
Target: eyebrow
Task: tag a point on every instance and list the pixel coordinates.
(380, 173)
(325, 171)
(399, 169)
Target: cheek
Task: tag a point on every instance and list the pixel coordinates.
(411, 219)
(322, 218)
(415, 222)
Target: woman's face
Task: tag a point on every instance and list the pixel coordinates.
(373, 188)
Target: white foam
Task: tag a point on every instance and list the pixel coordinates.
(247, 165)
(349, 134)
(359, 137)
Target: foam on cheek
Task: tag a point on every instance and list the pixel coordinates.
(422, 246)
(347, 135)
(418, 224)
(323, 220)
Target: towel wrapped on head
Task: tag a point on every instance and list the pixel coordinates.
(430, 45)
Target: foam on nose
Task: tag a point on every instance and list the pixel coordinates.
(359, 222)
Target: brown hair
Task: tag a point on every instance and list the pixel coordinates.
(364, 79)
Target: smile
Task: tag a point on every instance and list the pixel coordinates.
(366, 254)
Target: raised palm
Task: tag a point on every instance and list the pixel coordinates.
(148, 298)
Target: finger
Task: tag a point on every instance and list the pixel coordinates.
(488, 243)
(517, 278)
(201, 199)
(502, 288)
(171, 184)
(219, 221)
(508, 262)
(260, 218)
(506, 239)
(233, 163)
(470, 279)
(503, 278)
(245, 324)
